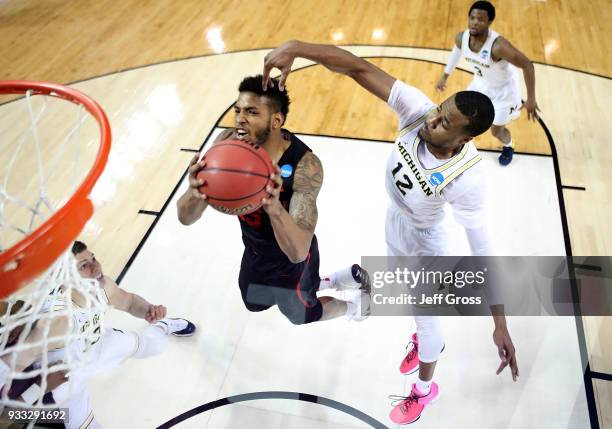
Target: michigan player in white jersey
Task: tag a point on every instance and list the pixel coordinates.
(493, 60)
(434, 162)
(108, 347)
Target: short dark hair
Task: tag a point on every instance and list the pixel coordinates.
(486, 6)
(280, 99)
(78, 247)
(478, 108)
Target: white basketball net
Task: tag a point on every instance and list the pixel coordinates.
(42, 162)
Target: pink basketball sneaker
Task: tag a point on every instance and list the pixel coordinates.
(411, 362)
(410, 408)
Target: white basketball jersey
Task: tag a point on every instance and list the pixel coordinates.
(86, 321)
(414, 188)
(494, 73)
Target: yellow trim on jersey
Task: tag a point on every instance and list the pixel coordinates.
(106, 296)
(416, 123)
(456, 173)
(452, 161)
(87, 421)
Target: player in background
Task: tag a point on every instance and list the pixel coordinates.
(494, 60)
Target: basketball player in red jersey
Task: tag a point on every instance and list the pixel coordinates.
(280, 264)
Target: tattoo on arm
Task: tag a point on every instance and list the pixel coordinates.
(306, 186)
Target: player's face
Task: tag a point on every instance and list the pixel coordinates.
(445, 128)
(478, 22)
(88, 265)
(253, 121)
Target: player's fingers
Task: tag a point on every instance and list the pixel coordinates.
(276, 179)
(284, 73)
(502, 354)
(266, 72)
(196, 183)
(514, 368)
(272, 191)
(193, 169)
(194, 159)
(503, 364)
(195, 193)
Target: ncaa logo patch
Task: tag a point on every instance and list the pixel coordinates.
(436, 179)
(484, 54)
(286, 171)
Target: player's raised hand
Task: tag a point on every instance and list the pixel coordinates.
(155, 313)
(195, 165)
(532, 109)
(506, 351)
(282, 59)
(271, 204)
(441, 84)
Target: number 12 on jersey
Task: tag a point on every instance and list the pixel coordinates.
(401, 186)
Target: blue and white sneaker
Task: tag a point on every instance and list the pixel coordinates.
(177, 327)
(506, 155)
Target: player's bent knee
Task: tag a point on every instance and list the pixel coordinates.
(497, 130)
(151, 342)
(431, 340)
(304, 315)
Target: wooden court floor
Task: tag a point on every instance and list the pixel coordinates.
(80, 40)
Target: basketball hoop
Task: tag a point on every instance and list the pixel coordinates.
(44, 205)
(36, 251)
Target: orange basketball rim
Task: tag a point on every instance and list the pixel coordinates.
(33, 254)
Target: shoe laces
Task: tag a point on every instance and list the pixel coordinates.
(412, 353)
(404, 401)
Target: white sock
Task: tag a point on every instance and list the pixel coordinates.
(423, 386)
(509, 144)
(344, 277)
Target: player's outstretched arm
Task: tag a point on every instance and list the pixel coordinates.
(480, 246)
(503, 342)
(453, 60)
(192, 203)
(363, 72)
(132, 303)
(294, 229)
(502, 49)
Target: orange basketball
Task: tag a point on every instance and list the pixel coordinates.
(235, 176)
